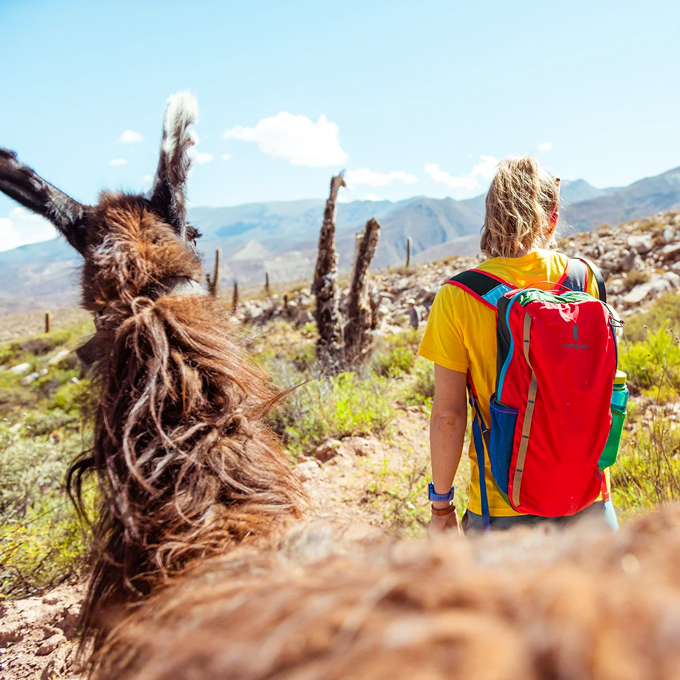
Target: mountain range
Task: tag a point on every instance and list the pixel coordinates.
(280, 238)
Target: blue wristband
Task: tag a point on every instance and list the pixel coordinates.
(439, 496)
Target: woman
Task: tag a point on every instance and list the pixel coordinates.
(460, 338)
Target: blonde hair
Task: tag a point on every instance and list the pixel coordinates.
(520, 201)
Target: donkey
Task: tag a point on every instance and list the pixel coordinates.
(185, 466)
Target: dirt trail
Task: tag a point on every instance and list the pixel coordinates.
(37, 635)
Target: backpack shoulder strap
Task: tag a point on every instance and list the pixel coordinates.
(576, 276)
(486, 288)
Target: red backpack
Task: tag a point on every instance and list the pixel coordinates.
(550, 413)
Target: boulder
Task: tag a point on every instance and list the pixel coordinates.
(20, 368)
(670, 253)
(329, 449)
(642, 243)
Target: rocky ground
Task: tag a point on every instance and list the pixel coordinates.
(640, 260)
(38, 635)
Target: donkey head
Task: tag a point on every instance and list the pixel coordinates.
(131, 243)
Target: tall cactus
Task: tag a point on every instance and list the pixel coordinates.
(325, 285)
(214, 281)
(359, 314)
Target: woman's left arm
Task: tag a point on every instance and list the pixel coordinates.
(447, 434)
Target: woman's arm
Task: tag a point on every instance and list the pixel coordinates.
(447, 433)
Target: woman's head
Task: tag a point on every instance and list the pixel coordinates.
(520, 208)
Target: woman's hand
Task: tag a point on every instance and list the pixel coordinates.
(442, 523)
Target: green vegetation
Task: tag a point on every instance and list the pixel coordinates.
(42, 411)
(664, 313)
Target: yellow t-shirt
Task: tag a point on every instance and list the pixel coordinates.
(461, 336)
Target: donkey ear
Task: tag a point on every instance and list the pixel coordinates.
(22, 184)
(168, 194)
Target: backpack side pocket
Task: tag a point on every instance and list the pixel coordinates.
(503, 423)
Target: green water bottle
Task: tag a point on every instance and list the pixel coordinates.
(618, 408)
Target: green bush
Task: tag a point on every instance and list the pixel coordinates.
(421, 390)
(41, 541)
(647, 473)
(394, 364)
(341, 406)
(664, 313)
(653, 363)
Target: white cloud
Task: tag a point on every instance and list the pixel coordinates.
(117, 162)
(483, 170)
(442, 177)
(377, 179)
(201, 157)
(486, 168)
(226, 156)
(545, 146)
(372, 197)
(21, 227)
(131, 137)
(296, 138)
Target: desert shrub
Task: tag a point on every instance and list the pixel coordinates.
(634, 278)
(421, 389)
(41, 541)
(393, 364)
(647, 473)
(340, 406)
(653, 364)
(664, 313)
(47, 546)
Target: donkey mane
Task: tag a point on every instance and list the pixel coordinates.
(185, 468)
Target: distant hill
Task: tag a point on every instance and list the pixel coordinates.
(642, 198)
(280, 238)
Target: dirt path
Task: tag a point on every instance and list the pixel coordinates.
(37, 635)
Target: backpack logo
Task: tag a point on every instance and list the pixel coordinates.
(576, 344)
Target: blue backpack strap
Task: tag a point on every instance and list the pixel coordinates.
(486, 288)
(480, 435)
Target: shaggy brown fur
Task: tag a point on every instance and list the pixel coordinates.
(185, 467)
(523, 606)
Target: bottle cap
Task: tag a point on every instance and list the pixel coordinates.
(620, 378)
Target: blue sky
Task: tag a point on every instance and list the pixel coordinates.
(410, 97)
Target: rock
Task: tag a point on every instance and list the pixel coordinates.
(53, 670)
(648, 289)
(303, 317)
(31, 377)
(673, 278)
(20, 368)
(308, 470)
(642, 243)
(670, 253)
(628, 260)
(49, 645)
(59, 356)
(638, 294)
(329, 449)
(668, 234)
(34, 376)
